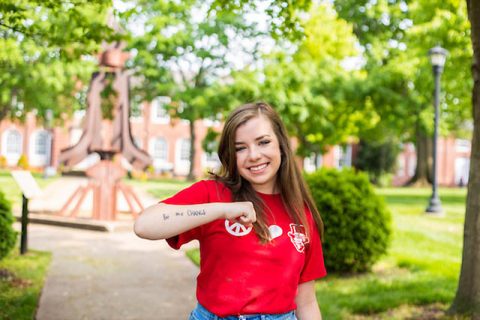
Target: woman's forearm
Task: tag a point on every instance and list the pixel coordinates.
(306, 300)
(162, 221)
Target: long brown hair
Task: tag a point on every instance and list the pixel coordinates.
(289, 181)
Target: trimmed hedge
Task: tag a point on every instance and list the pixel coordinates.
(357, 222)
(8, 236)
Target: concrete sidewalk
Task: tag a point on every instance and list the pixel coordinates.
(106, 275)
(100, 275)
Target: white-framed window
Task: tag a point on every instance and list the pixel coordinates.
(12, 146)
(342, 156)
(39, 148)
(462, 145)
(211, 161)
(401, 165)
(462, 170)
(160, 149)
(312, 163)
(159, 152)
(185, 150)
(159, 112)
(41, 143)
(182, 156)
(14, 142)
(411, 165)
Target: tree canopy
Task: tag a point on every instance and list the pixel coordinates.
(44, 50)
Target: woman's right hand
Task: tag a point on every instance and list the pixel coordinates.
(242, 212)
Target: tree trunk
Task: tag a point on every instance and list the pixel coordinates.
(191, 174)
(467, 299)
(423, 148)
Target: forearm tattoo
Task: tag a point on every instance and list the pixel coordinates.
(189, 213)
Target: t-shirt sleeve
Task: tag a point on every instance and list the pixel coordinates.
(195, 194)
(314, 266)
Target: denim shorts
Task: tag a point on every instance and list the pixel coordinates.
(200, 313)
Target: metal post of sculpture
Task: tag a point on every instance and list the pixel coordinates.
(105, 176)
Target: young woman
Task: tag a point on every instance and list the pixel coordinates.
(258, 227)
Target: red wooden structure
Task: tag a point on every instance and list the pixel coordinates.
(105, 176)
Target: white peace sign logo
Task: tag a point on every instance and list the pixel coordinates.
(237, 229)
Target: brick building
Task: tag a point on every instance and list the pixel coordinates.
(168, 143)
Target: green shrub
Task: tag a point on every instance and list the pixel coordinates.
(8, 236)
(357, 222)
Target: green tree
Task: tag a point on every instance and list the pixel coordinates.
(317, 96)
(396, 36)
(43, 48)
(183, 49)
(284, 16)
(467, 298)
(377, 157)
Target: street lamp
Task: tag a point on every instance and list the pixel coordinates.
(438, 55)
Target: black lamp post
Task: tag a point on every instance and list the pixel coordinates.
(438, 56)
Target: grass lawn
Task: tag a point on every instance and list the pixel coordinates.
(21, 277)
(21, 281)
(160, 189)
(11, 190)
(421, 268)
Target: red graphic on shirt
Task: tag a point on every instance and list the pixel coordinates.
(298, 236)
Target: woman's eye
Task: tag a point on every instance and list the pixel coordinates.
(264, 142)
(237, 149)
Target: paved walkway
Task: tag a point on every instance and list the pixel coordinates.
(112, 275)
(99, 275)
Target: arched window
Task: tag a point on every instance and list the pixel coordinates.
(159, 153)
(12, 146)
(185, 150)
(159, 149)
(159, 112)
(182, 156)
(39, 148)
(41, 143)
(13, 142)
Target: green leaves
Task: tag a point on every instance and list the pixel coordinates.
(396, 36)
(43, 47)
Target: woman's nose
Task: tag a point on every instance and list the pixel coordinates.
(253, 154)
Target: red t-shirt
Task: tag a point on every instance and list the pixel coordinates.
(238, 274)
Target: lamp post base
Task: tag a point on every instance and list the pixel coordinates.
(434, 207)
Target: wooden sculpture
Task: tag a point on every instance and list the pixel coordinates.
(105, 176)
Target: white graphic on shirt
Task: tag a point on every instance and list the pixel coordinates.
(237, 229)
(298, 236)
(275, 231)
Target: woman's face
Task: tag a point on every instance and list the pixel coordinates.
(258, 154)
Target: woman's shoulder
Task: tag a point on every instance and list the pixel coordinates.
(217, 189)
(213, 183)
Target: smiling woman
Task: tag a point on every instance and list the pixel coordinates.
(258, 154)
(256, 222)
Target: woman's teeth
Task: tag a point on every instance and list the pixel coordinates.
(258, 168)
